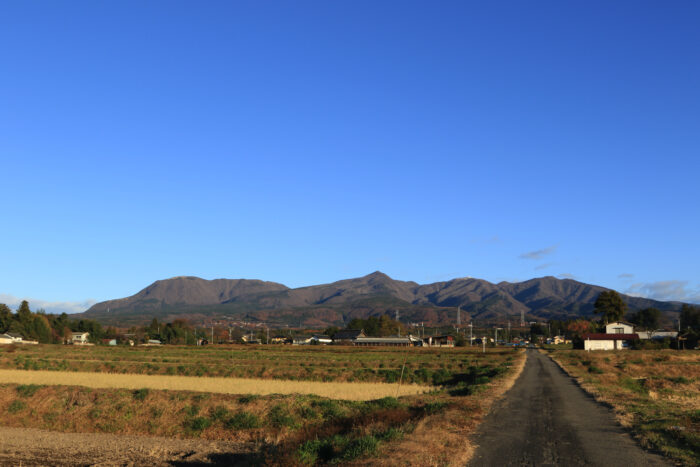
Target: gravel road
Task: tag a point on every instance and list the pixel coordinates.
(31, 447)
(546, 419)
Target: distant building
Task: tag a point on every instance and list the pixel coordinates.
(347, 336)
(321, 339)
(280, 339)
(602, 341)
(11, 338)
(109, 341)
(659, 334)
(439, 341)
(301, 340)
(393, 341)
(79, 338)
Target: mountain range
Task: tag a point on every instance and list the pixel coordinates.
(277, 305)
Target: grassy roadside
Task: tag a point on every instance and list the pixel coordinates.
(655, 394)
(291, 429)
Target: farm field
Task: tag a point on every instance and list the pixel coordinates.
(655, 393)
(283, 427)
(293, 363)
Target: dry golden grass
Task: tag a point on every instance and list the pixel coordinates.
(655, 393)
(341, 391)
(443, 439)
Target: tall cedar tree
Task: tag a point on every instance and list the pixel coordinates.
(610, 305)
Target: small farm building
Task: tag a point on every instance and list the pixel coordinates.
(321, 339)
(439, 341)
(301, 340)
(606, 341)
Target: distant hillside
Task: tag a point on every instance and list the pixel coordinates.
(375, 294)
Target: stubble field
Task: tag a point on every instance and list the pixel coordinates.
(450, 390)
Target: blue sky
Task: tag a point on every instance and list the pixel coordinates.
(306, 142)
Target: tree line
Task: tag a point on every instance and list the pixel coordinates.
(43, 327)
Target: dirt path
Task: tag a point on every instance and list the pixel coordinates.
(546, 419)
(30, 447)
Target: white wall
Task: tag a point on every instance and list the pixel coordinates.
(626, 328)
(598, 345)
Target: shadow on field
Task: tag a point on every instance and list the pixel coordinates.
(236, 459)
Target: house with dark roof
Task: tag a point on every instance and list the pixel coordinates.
(347, 336)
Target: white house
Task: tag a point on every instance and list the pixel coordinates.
(619, 327)
(321, 339)
(11, 338)
(6, 339)
(301, 340)
(79, 338)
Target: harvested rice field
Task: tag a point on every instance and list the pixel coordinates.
(277, 405)
(341, 390)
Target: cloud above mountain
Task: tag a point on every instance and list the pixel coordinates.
(49, 307)
(539, 254)
(666, 290)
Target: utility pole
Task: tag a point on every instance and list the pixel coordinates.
(268, 336)
(212, 334)
(470, 334)
(398, 324)
(459, 318)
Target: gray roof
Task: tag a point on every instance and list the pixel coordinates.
(346, 334)
(384, 340)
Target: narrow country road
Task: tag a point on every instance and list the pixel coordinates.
(546, 419)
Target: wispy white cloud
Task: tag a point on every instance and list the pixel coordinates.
(538, 254)
(543, 266)
(666, 290)
(625, 276)
(50, 307)
(566, 275)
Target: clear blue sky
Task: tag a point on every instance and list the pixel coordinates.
(306, 142)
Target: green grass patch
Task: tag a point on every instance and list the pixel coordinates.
(28, 390)
(16, 406)
(243, 421)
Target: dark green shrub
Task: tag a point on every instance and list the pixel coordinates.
(386, 403)
(360, 447)
(218, 413)
(242, 421)
(197, 424)
(279, 416)
(140, 394)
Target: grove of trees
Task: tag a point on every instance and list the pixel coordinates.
(43, 327)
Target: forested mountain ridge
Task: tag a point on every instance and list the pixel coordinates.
(371, 295)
